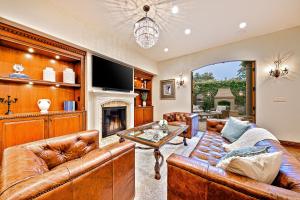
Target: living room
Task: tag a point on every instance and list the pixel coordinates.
(92, 109)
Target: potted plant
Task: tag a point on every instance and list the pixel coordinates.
(144, 96)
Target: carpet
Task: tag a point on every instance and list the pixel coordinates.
(146, 186)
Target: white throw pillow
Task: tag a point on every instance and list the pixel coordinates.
(250, 138)
(263, 167)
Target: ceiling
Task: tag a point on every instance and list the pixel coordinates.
(213, 22)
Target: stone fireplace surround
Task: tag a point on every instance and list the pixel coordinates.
(101, 98)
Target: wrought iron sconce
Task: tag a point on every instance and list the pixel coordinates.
(279, 71)
(180, 81)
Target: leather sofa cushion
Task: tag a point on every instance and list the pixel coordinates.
(56, 151)
(176, 123)
(210, 149)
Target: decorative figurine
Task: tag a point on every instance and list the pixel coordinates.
(8, 102)
(18, 69)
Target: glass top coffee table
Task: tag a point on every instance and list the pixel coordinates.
(154, 137)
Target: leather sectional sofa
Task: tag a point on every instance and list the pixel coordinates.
(69, 167)
(196, 177)
(191, 119)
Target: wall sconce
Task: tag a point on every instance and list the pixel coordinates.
(279, 70)
(180, 81)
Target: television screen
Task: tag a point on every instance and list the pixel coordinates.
(111, 75)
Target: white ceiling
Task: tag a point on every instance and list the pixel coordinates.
(213, 22)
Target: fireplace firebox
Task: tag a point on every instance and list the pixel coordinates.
(113, 120)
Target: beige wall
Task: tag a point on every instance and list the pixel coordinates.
(44, 16)
(282, 118)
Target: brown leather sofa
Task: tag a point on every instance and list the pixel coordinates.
(69, 167)
(196, 177)
(190, 119)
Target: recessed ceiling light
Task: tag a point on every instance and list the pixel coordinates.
(243, 25)
(57, 57)
(175, 9)
(187, 31)
(30, 50)
(166, 49)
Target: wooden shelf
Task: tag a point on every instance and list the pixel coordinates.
(142, 89)
(37, 82)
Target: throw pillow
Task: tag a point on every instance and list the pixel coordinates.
(234, 128)
(247, 151)
(250, 138)
(263, 167)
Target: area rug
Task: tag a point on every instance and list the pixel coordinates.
(148, 188)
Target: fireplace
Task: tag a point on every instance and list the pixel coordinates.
(113, 120)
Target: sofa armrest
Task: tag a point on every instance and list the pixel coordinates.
(215, 125)
(62, 181)
(209, 176)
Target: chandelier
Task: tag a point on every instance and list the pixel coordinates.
(146, 31)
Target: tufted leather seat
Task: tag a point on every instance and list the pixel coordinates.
(196, 177)
(68, 167)
(177, 118)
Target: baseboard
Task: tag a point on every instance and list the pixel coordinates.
(290, 143)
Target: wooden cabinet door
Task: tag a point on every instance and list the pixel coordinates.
(148, 115)
(65, 124)
(138, 116)
(21, 131)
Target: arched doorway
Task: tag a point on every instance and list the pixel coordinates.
(224, 89)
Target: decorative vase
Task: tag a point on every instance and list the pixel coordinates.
(69, 76)
(49, 74)
(44, 105)
(144, 104)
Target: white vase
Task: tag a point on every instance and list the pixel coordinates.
(44, 105)
(49, 74)
(144, 103)
(69, 76)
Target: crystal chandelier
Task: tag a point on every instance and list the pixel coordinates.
(146, 31)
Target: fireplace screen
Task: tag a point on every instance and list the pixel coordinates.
(113, 120)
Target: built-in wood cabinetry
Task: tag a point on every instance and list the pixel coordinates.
(35, 53)
(65, 124)
(28, 127)
(143, 84)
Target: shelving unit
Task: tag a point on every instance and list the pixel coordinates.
(35, 53)
(143, 114)
(37, 82)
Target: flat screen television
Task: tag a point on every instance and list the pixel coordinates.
(110, 75)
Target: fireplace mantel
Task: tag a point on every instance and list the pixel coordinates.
(100, 98)
(113, 93)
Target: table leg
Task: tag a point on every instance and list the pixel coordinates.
(157, 166)
(184, 139)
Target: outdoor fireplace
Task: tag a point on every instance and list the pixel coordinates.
(113, 120)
